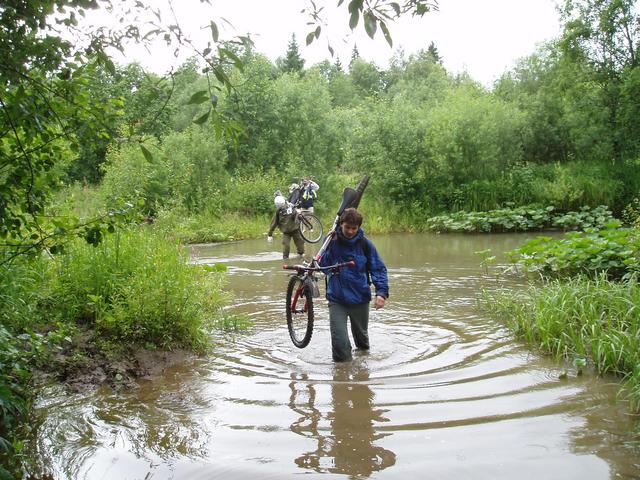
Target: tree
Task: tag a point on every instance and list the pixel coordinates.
(366, 76)
(432, 50)
(355, 55)
(44, 97)
(603, 35)
(292, 62)
(419, 78)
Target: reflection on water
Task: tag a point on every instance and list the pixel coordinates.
(444, 392)
(346, 436)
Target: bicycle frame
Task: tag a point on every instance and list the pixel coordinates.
(306, 273)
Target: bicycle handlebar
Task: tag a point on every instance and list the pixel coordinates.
(308, 268)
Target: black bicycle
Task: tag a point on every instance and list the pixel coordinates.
(303, 285)
(310, 227)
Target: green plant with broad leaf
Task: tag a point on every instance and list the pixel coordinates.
(614, 251)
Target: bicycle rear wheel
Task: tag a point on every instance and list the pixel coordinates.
(310, 227)
(299, 312)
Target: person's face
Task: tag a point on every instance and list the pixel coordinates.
(349, 230)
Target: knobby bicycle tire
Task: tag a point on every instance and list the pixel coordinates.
(310, 227)
(299, 311)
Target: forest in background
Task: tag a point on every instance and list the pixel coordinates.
(560, 129)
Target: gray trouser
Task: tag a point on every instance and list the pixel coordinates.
(297, 240)
(359, 318)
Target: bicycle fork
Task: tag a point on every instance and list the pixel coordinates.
(296, 296)
(305, 282)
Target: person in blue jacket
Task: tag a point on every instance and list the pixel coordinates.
(349, 290)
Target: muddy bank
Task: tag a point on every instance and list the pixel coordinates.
(82, 366)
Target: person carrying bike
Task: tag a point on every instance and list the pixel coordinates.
(286, 219)
(294, 193)
(308, 194)
(349, 291)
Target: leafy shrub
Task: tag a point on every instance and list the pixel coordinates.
(585, 218)
(252, 194)
(521, 219)
(571, 185)
(136, 288)
(21, 285)
(188, 169)
(614, 250)
(501, 220)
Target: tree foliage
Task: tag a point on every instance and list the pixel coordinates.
(292, 61)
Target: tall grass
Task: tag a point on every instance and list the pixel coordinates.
(137, 288)
(596, 319)
(209, 226)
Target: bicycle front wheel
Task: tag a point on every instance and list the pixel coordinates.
(310, 227)
(299, 311)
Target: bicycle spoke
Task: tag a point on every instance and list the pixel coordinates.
(310, 228)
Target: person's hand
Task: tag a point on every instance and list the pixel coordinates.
(379, 302)
(269, 239)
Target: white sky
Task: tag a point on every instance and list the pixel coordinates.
(482, 37)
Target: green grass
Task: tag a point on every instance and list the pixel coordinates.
(95, 304)
(208, 227)
(136, 288)
(595, 319)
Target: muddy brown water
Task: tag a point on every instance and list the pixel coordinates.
(444, 393)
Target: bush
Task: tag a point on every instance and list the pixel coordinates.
(570, 186)
(585, 218)
(614, 251)
(136, 288)
(187, 169)
(252, 194)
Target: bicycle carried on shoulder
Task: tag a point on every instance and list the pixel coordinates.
(303, 284)
(310, 226)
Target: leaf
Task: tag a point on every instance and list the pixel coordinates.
(199, 97)
(222, 77)
(151, 33)
(370, 24)
(396, 8)
(385, 32)
(236, 60)
(214, 31)
(318, 30)
(353, 21)
(147, 154)
(330, 50)
(355, 6)
(203, 118)
(310, 38)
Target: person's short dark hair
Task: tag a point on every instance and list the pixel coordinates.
(351, 216)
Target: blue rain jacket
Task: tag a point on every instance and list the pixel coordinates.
(351, 286)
